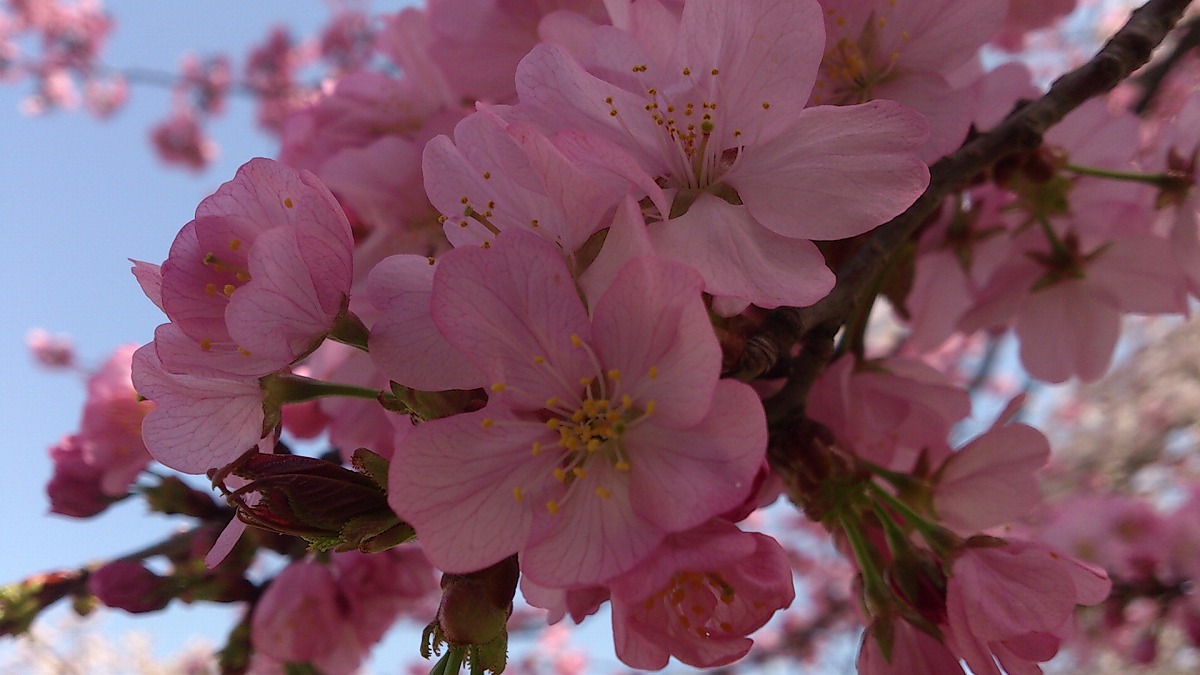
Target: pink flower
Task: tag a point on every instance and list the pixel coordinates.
(1009, 602)
(904, 50)
(749, 174)
(51, 351)
(74, 489)
(601, 434)
(179, 139)
(888, 411)
(128, 585)
(298, 619)
(497, 175)
(1067, 303)
(257, 279)
(699, 596)
(912, 651)
(331, 615)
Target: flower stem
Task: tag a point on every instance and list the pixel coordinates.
(1161, 180)
(298, 389)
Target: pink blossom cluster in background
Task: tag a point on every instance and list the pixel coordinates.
(511, 273)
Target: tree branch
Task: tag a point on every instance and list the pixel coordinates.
(1155, 74)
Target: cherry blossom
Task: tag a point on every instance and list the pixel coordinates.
(749, 174)
(601, 436)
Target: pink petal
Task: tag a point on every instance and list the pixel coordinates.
(682, 477)
(511, 310)
(197, 423)
(453, 480)
(798, 186)
(652, 318)
(627, 238)
(991, 480)
(764, 52)
(591, 539)
(1070, 328)
(279, 314)
(149, 277)
(405, 345)
(741, 259)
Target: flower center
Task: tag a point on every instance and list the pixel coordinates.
(588, 427)
(699, 602)
(851, 69)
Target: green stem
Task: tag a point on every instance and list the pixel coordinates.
(1161, 180)
(298, 389)
(873, 581)
(896, 539)
(453, 661)
(1057, 247)
(912, 517)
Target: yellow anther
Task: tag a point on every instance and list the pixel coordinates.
(650, 405)
(242, 276)
(614, 375)
(536, 448)
(626, 401)
(205, 344)
(518, 493)
(603, 492)
(551, 402)
(594, 444)
(464, 200)
(487, 175)
(766, 105)
(498, 387)
(431, 261)
(287, 201)
(442, 219)
(539, 360)
(553, 423)
(243, 351)
(612, 113)
(228, 289)
(578, 472)
(653, 372)
(210, 289)
(609, 99)
(533, 223)
(576, 341)
(622, 466)
(560, 475)
(552, 507)
(585, 381)
(487, 423)
(714, 72)
(687, 72)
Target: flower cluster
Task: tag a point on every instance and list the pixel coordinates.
(520, 289)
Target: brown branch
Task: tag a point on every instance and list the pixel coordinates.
(1155, 74)
(1129, 49)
